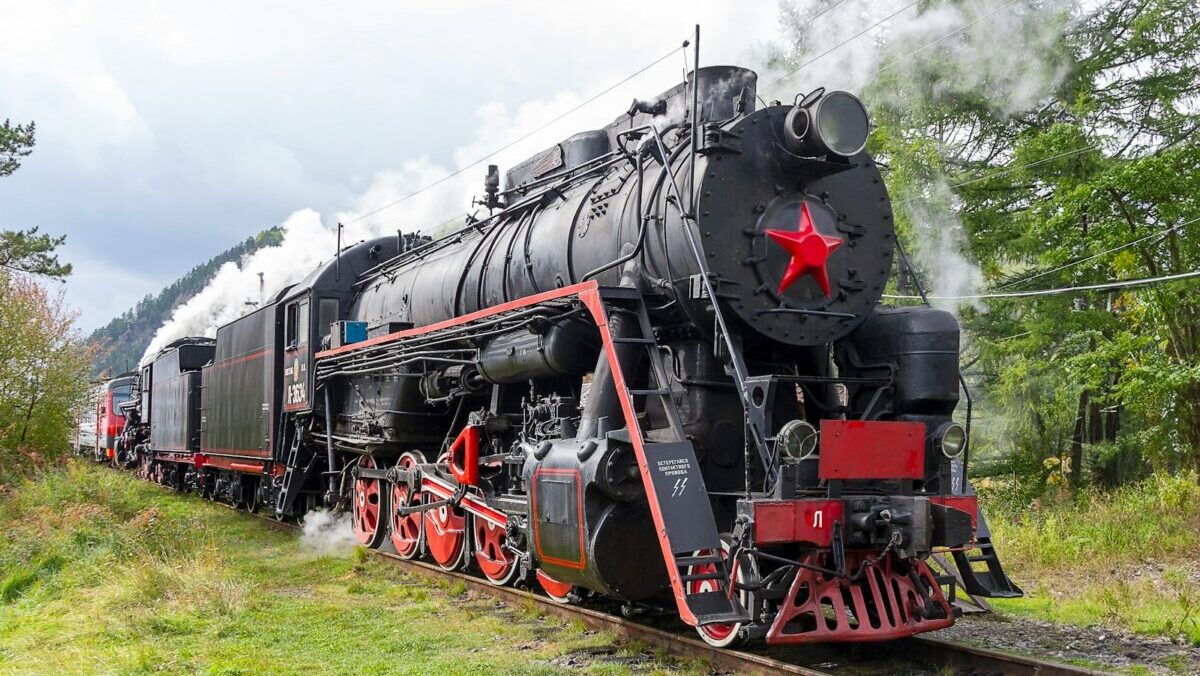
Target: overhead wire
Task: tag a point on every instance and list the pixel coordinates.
(845, 42)
(515, 141)
(945, 37)
(1115, 284)
(655, 62)
(1064, 266)
(827, 9)
(1006, 170)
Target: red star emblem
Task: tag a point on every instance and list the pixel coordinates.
(809, 249)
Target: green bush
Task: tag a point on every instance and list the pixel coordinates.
(1157, 518)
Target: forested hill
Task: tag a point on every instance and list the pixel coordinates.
(120, 343)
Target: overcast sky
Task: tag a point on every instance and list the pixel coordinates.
(168, 131)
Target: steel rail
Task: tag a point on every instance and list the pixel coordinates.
(933, 653)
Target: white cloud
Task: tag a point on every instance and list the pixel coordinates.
(100, 290)
(167, 132)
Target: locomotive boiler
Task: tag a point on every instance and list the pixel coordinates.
(656, 371)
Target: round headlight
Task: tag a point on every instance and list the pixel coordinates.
(952, 439)
(796, 439)
(841, 123)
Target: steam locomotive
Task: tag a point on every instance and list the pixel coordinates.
(658, 372)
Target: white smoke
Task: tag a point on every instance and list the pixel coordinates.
(943, 250)
(327, 532)
(235, 289)
(1010, 49)
(310, 238)
(1009, 52)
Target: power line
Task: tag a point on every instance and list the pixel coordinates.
(1064, 266)
(515, 141)
(1035, 163)
(947, 36)
(1006, 170)
(827, 10)
(845, 42)
(1117, 284)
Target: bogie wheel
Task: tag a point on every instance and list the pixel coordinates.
(251, 496)
(406, 531)
(730, 634)
(497, 563)
(370, 507)
(559, 592)
(445, 534)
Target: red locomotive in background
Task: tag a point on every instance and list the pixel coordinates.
(102, 421)
(658, 372)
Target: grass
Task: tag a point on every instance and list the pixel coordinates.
(1127, 558)
(100, 573)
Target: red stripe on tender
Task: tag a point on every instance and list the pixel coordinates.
(237, 360)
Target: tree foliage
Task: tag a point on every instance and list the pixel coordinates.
(30, 252)
(43, 371)
(16, 143)
(43, 359)
(25, 250)
(1092, 180)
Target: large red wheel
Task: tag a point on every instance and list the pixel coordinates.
(370, 506)
(406, 529)
(729, 634)
(561, 592)
(445, 534)
(498, 564)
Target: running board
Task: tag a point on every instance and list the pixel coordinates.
(675, 490)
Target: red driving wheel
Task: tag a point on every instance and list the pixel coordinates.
(445, 534)
(561, 592)
(406, 529)
(498, 564)
(369, 506)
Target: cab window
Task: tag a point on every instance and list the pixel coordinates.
(327, 314)
(296, 324)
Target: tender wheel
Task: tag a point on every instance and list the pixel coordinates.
(561, 592)
(498, 564)
(251, 496)
(406, 532)
(445, 535)
(722, 635)
(370, 506)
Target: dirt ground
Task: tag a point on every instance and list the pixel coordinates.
(1103, 646)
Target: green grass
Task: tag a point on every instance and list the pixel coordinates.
(100, 573)
(1125, 558)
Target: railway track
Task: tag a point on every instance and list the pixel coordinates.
(918, 655)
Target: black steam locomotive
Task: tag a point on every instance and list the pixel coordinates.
(657, 372)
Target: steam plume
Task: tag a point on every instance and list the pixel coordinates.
(1008, 52)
